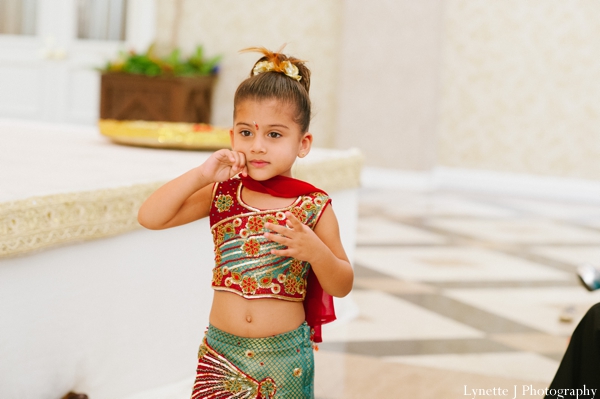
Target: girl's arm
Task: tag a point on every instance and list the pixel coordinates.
(188, 197)
(322, 248)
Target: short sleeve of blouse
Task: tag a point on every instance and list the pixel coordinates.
(310, 208)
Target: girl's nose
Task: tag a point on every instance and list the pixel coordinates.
(258, 146)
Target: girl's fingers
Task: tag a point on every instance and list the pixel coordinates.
(281, 252)
(278, 238)
(223, 156)
(245, 169)
(235, 161)
(238, 162)
(291, 223)
(231, 155)
(236, 157)
(277, 228)
(242, 160)
(292, 220)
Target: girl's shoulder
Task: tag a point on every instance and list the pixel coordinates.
(228, 185)
(225, 199)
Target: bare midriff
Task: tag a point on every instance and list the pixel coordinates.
(254, 318)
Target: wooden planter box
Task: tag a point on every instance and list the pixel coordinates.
(168, 99)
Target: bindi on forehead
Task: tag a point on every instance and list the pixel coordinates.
(255, 125)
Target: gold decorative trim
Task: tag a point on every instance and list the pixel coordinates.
(258, 296)
(191, 136)
(254, 210)
(38, 223)
(41, 222)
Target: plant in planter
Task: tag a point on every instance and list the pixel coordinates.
(143, 86)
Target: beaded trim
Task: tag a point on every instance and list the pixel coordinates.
(41, 222)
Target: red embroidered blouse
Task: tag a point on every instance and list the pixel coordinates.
(243, 261)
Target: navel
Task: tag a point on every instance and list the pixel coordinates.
(249, 319)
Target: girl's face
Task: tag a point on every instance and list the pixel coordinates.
(266, 133)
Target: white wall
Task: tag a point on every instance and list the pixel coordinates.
(388, 94)
(309, 27)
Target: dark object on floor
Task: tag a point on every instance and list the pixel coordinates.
(579, 368)
(73, 395)
(589, 277)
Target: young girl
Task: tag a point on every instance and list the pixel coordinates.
(278, 254)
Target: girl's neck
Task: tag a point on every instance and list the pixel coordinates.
(263, 200)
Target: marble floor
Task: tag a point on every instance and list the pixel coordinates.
(459, 291)
(456, 292)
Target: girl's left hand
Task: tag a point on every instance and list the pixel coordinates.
(300, 240)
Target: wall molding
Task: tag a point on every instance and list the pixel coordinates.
(484, 181)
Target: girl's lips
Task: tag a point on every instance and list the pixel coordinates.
(258, 164)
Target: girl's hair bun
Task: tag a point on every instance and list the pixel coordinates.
(279, 62)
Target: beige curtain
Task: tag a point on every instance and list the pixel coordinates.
(18, 17)
(101, 19)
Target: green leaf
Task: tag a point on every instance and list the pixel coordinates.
(172, 65)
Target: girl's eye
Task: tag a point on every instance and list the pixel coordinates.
(246, 133)
(274, 135)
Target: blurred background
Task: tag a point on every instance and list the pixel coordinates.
(506, 86)
(479, 125)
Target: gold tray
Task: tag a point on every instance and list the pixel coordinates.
(191, 136)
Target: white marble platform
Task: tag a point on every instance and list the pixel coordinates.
(90, 302)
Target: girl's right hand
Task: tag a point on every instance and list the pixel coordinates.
(224, 164)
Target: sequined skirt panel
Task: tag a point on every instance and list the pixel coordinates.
(277, 367)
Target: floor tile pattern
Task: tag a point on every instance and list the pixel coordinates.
(459, 291)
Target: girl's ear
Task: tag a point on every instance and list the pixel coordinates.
(305, 144)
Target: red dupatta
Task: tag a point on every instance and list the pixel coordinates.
(318, 305)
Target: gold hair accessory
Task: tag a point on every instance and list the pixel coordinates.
(285, 67)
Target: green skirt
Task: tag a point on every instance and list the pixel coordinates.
(277, 367)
